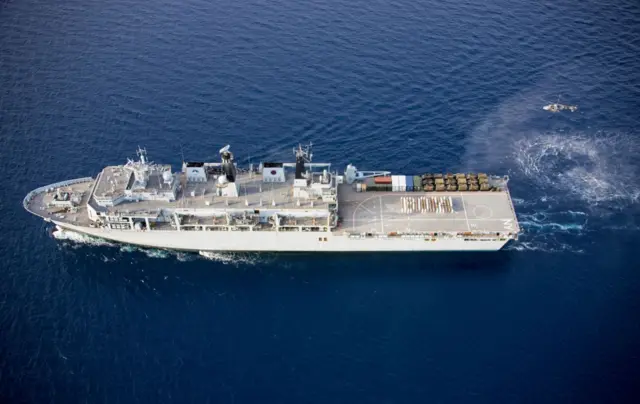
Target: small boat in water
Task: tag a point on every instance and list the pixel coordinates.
(557, 107)
(560, 107)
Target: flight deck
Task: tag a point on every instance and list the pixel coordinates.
(425, 212)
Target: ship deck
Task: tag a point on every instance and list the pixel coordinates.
(374, 212)
(38, 205)
(382, 212)
(252, 191)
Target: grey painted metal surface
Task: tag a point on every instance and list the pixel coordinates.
(324, 213)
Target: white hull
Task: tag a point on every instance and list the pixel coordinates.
(279, 241)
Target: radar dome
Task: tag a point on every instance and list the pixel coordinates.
(350, 173)
(166, 176)
(222, 179)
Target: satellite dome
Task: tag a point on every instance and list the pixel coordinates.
(222, 179)
(350, 173)
(166, 176)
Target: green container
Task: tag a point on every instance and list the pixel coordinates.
(417, 183)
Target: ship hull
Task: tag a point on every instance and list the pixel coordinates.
(260, 241)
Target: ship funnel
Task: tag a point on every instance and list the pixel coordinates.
(303, 155)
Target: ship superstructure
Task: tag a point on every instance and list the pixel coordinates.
(281, 206)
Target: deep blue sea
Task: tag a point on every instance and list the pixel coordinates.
(405, 85)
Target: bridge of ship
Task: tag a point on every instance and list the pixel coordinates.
(413, 212)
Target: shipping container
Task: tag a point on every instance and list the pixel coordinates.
(409, 183)
(402, 183)
(382, 180)
(394, 183)
(364, 187)
(417, 183)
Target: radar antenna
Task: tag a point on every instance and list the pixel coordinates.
(304, 152)
(142, 153)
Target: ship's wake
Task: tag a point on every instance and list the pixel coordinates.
(74, 240)
(599, 169)
(236, 259)
(565, 183)
(550, 230)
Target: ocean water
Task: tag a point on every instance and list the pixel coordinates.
(409, 86)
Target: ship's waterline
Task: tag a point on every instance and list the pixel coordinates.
(219, 207)
(283, 242)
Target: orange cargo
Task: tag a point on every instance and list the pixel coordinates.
(382, 180)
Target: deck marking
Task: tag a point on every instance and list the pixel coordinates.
(464, 207)
(475, 212)
(365, 208)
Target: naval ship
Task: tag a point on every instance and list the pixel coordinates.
(299, 206)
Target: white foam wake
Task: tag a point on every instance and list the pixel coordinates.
(79, 239)
(565, 182)
(232, 258)
(76, 240)
(599, 169)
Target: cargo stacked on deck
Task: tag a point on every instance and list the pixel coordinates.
(380, 184)
(453, 182)
(472, 182)
(450, 183)
(484, 182)
(462, 182)
(428, 183)
(439, 181)
(399, 183)
(417, 184)
(382, 180)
